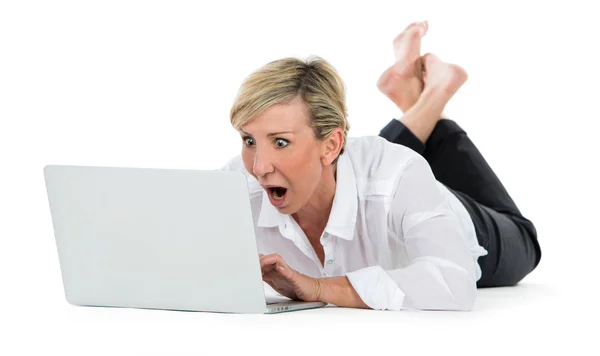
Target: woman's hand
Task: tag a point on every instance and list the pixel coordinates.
(287, 281)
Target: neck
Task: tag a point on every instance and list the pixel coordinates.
(314, 215)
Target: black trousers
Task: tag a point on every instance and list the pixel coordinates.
(509, 238)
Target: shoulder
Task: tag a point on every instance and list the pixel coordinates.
(375, 158)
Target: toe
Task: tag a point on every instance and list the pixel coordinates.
(416, 24)
(410, 32)
(407, 45)
(415, 29)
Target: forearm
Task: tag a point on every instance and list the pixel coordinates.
(339, 291)
(430, 283)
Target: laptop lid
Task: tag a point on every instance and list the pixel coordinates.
(155, 238)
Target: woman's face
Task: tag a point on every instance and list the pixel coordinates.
(280, 151)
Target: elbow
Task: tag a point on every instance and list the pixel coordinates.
(435, 286)
(463, 294)
(459, 298)
(462, 287)
(467, 302)
(460, 291)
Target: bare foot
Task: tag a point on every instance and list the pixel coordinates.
(440, 76)
(403, 81)
(442, 81)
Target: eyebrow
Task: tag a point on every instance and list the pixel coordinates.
(269, 134)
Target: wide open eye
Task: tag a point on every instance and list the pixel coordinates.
(281, 143)
(248, 141)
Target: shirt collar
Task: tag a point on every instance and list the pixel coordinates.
(342, 218)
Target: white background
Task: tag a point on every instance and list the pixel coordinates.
(150, 84)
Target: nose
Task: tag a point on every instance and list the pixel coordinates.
(263, 163)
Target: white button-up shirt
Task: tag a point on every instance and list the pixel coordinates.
(401, 237)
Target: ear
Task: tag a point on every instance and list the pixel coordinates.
(331, 147)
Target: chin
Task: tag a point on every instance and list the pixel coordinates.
(286, 210)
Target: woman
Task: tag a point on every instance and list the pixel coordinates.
(363, 222)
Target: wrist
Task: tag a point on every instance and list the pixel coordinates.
(319, 289)
(339, 291)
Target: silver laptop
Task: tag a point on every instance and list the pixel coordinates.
(158, 239)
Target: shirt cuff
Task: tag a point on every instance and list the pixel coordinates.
(376, 288)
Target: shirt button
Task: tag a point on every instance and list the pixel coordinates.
(329, 262)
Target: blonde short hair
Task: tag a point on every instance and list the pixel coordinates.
(315, 81)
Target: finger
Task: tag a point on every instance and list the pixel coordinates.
(288, 273)
(268, 265)
(278, 272)
(266, 261)
(268, 280)
(267, 270)
(273, 259)
(270, 283)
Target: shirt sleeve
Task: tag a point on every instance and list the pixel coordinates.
(439, 274)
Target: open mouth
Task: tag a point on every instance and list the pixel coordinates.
(278, 192)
